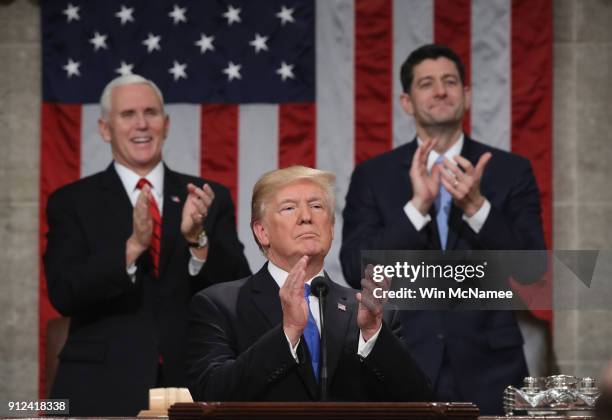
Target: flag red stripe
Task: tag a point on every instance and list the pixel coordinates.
(452, 27)
(60, 163)
(297, 135)
(532, 99)
(373, 78)
(219, 146)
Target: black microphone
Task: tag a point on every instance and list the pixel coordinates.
(319, 288)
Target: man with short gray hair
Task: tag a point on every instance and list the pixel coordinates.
(127, 248)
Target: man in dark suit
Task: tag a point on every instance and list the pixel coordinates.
(257, 339)
(446, 191)
(127, 249)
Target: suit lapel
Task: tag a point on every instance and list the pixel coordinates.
(406, 161)
(265, 297)
(117, 201)
(455, 221)
(338, 313)
(264, 292)
(174, 199)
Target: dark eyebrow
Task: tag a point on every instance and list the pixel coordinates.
(424, 78)
(450, 75)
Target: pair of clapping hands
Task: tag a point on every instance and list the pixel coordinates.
(195, 210)
(295, 308)
(462, 181)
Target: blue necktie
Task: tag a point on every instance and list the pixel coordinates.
(443, 205)
(311, 334)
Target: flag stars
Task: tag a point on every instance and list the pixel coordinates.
(72, 68)
(259, 43)
(125, 14)
(233, 71)
(232, 15)
(99, 41)
(178, 14)
(178, 71)
(205, 43)
(285, 15)
(152, 42)
(285, 71)
(124, 69)
(71, 12)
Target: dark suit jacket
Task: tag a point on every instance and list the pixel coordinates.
(484, 347)
(238, 350)
(118, 328)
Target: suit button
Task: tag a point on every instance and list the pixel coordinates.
(440, 336)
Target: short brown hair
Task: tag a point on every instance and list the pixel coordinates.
(428, 52)
(272, 181)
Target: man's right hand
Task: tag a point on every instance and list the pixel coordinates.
(425, 186)
(142, 230)
(295, 308)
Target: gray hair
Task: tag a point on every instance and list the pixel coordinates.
(128, 79)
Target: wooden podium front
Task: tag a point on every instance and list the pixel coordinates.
(322, 410)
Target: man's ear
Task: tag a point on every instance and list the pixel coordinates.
(260, 233)
(406, 103)
(104, 129)
(166, 126)
(467, 92)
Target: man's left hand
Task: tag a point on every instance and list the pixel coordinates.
(370, 313)
(195, 211)
(464, 186)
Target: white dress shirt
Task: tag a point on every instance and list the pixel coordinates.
(418, 220)
(130, 179)
(279, 275)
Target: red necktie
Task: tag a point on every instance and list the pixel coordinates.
(156, 238)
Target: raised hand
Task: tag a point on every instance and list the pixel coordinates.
(142, 229)
(464, 185)
(195, 211)
(295, 308)
(425, 185)
(370, 313)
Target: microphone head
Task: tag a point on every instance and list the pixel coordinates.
(319, 286)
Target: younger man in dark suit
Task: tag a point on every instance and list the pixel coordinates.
(257, 339)
(127, 248)
(446, 191)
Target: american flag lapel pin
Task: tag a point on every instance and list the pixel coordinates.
(341, 307)
(175, 199)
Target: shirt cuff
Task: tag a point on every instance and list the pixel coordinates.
(195, 264)
(415, 216)
(478, 219)
(292, 349)
(364, 348)
(131, 272)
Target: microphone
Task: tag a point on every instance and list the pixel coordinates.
(319, 288)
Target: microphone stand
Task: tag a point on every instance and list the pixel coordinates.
(319, 288)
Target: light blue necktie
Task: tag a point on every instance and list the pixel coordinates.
(311, 334)
(443, 205)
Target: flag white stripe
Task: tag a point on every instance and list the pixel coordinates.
(491, 72)
(412, 27)
(95, 152)
(182, 148)
(335, 36)
(257, 153)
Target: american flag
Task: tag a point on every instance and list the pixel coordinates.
(251, 86)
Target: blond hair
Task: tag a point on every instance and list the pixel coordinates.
(272, 181)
